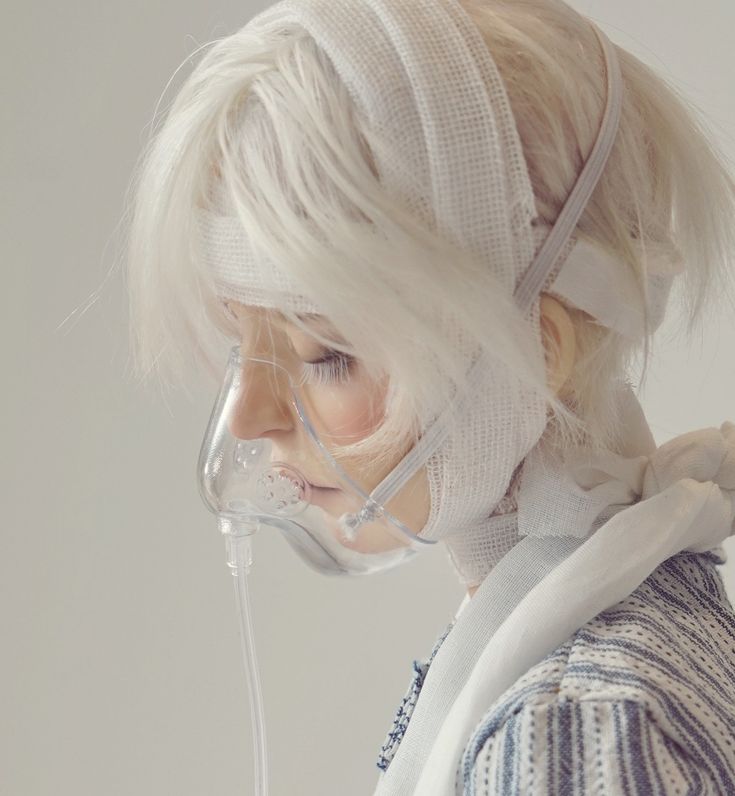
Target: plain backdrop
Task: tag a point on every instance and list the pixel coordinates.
(120, 661)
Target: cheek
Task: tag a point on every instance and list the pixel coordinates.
(350, 412)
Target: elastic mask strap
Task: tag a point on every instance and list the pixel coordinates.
(535, 277)
(533, 280)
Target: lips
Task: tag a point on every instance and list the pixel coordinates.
(276, 459)
(313, 485)
(320, 486)
(328, 498)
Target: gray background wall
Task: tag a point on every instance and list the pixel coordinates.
(120, 668)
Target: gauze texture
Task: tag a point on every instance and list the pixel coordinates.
(444, 140)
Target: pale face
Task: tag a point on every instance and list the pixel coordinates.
(345, 404)
(342, 401)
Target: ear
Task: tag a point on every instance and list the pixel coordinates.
(559, 342)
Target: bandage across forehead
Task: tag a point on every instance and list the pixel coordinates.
(587, 277)
(421, 76)
(370, 54)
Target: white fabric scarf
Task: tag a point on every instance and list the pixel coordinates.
(631, 511)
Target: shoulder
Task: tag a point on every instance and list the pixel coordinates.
(585, 748)
(639, 700)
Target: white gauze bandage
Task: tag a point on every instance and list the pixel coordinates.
(421, 75)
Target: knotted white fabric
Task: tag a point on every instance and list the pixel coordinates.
(592, 483)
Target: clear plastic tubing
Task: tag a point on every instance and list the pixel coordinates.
(239, 559)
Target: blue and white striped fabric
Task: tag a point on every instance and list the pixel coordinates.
(641, 700)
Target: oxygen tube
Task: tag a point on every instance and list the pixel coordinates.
(246, 486)
(239, 560)
(218, 459)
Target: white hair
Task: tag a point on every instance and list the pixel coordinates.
(268, 116)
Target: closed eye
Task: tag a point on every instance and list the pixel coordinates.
(333, 368)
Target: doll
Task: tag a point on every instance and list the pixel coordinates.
(439, 233)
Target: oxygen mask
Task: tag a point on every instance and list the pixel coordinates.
(266, 461)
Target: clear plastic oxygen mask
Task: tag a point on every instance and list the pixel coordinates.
(266, 463)
(252, 473)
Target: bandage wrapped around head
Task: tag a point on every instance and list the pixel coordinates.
(442, 142)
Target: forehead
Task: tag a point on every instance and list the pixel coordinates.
(251, 319)
(254, 312)
(250, 315)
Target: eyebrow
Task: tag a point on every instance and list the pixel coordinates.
(309, 316)
(304, 317)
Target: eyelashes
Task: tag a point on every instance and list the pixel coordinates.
(333, 368)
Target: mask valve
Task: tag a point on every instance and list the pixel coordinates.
(282, 490)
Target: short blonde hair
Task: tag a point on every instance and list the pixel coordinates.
(269, 112)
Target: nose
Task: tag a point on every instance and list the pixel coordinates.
(262, 406)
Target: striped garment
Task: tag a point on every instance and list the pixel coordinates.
(640, 700)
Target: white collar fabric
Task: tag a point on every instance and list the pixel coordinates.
(592, 529)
